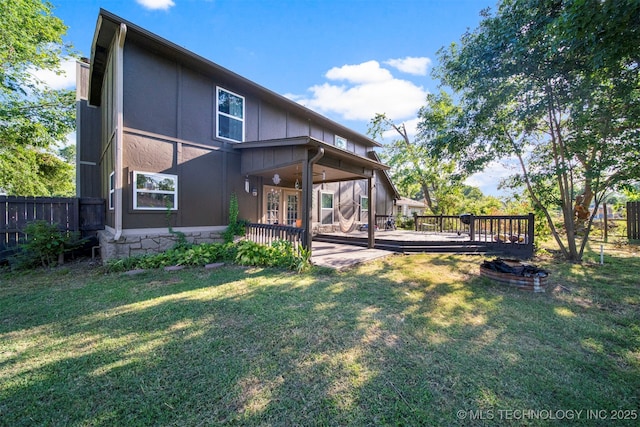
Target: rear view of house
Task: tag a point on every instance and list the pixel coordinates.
(166, 137)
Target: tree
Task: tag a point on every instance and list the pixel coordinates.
(556, 85)
(34, 118)
(413, 168)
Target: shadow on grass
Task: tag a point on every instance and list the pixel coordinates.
(404, 341)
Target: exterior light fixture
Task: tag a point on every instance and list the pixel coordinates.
(297, 184)
(246, 184)
(276, 179)
(254, 192)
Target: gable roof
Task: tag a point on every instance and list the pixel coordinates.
(385, 175)
(108, 25)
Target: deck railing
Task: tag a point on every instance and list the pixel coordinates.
(382, 221)
(502, 229)
(266, 234)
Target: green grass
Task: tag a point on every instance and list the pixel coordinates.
(409, 340)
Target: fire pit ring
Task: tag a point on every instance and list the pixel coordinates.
(515, 273)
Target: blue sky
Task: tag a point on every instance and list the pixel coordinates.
(346, 59)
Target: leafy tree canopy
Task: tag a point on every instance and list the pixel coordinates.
(555, 84)
(414, 168)
(34, 118)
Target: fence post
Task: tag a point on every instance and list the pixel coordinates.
(606, 222)
(633, 220)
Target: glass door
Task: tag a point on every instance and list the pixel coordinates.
(292, 208)
(273, 206)
(281, 206)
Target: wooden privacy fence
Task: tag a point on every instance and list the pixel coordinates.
(633, 220)
(265, 234)
(84, 215)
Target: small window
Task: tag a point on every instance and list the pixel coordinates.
(326, 208)
(112, 189)
(364, 206)
(230, 116)
(341, 142)
(155, 191)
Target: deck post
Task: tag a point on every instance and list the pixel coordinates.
(307, 189)
(372, 215)
(472, 227)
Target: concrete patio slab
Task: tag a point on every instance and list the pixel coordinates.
(337, 256)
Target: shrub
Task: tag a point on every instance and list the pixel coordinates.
(236, 226)
(280, 254)
(44, 245)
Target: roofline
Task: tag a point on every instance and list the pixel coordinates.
(197, 60)
(377, 158)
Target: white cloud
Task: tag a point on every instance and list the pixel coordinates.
(367, 91)
(65, 80)
(367, 72)
(411, 65)
(156, 4)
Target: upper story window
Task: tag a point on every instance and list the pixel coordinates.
(341, 142)
(230, 115)
(155, 191)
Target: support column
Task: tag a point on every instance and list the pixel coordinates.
(372, 213)
(307, 189)
(307, 196)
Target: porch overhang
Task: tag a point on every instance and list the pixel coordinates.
(284, 157)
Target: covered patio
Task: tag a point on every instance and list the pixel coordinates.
(296, 167)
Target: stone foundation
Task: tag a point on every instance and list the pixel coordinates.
(149, 243)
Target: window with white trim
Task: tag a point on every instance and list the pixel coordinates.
(155, 191)
(230, 115)
(326, 207)
(364, 207)
(112, 190)
(340, 142)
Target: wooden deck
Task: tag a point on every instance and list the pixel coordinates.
(405, 241)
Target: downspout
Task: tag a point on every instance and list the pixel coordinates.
(118, 139)
(307, 182)
(317, 157)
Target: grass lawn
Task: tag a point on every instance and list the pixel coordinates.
(408, 340)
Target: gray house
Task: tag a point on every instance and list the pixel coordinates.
(166, 137)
